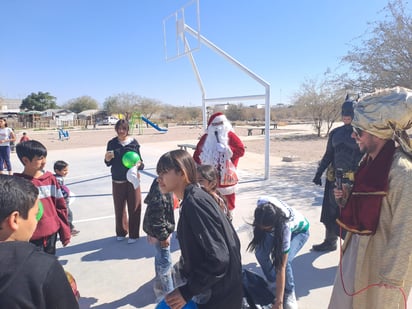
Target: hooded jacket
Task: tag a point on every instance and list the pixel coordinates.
(117, 168)
(159, 221)
(210, 251)
(32, 279)
(54, 217)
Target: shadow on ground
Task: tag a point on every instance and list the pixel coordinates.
(142, 297)
(108, 248)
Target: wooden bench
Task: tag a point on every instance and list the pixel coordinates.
(250, 130)
(185, 146)
(262, 129)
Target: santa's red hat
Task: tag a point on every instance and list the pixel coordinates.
(216, 117)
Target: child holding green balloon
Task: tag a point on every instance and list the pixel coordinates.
(29, 277)
(124, 158)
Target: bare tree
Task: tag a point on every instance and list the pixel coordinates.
(147, 107)
(123, 103)
(321, 102)
(252, 114)
(384, 56)
(234, 112)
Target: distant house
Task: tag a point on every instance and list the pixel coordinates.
(221, 107)
(258, 106)
(59, 116)
(10, 106)
(87, 114)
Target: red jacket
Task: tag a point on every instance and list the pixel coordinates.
(54, 217)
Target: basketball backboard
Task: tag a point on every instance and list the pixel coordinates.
(177, 42)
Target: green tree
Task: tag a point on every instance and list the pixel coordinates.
(80, 104)
(39, 102)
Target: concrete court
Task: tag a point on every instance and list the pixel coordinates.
(112, 274)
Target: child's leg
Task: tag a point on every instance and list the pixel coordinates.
(2, 156)
(163, 268)
(70, 217)
(46, 244)
(7, 159)
(74, 232)
(296, 243)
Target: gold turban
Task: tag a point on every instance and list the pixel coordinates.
(387, 114)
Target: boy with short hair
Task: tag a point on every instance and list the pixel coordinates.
(32, 155)
(28, 277)
(61, 169)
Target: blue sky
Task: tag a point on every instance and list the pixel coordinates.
(101, 48)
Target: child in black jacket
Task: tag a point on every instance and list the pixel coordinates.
(159, 224)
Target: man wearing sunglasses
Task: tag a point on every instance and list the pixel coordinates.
(376, 266)
(342, 156)
(29, 278)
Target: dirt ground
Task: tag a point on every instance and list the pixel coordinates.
(294, 141)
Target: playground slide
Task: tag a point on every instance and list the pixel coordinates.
(153, 125)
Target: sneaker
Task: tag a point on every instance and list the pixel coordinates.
(131, 240)
(325, 246)
(74, 232)
(120, 238)
(289, 301)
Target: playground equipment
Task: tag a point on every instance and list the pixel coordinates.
(136, 121)
(153, 125)
(63, 134)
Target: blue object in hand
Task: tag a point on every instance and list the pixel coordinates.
(189, 305)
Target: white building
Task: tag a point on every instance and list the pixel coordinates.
(10, 106)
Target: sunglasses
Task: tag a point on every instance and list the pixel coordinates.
(358, 132)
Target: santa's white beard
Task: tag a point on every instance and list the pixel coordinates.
(209, 154)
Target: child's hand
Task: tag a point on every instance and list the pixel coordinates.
(164, 243)
(66, 242)
(109, 155)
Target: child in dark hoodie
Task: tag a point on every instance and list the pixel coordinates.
(29, 278)
(159, 224)
(55, 218)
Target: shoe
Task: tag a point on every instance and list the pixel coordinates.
(325, 246)
(131, 240)
(74, 232)
(289, 301)
(120, 238)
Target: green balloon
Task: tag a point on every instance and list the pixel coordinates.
(130, 159)
(40, 212)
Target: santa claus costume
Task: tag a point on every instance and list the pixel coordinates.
(218, 145)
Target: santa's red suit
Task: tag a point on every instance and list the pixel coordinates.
(219, 144)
